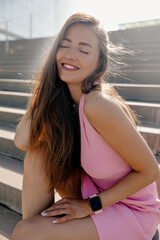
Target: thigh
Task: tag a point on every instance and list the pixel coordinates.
(41, 228)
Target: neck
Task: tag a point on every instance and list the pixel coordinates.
(76, 93)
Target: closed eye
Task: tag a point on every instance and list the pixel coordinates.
(84, 52)
(68, 47)
(63, 46)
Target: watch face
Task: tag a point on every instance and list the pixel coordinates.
(95, 203)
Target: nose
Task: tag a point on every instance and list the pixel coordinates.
(71, 54)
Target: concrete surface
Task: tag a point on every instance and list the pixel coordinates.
(8, 221)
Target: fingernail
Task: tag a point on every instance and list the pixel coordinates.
(43, 214)
(54, 221)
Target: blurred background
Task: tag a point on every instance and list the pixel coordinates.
(27, 30)
(39, 18)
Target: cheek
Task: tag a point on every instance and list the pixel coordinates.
(92, 63)
(57, 57)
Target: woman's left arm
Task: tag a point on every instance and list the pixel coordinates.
(109, 119)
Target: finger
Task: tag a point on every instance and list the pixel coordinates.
(63, 200)
(53, 207)
(63, 203)
(54, 213)
(63, 219)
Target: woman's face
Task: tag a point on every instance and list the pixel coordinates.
(78, 54)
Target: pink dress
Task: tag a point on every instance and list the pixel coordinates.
(134, 218)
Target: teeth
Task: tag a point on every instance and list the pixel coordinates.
(68, 66)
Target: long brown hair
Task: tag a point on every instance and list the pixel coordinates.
(54, 123)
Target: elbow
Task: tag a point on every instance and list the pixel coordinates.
(158, 172)
(20, 144)
(154, 173)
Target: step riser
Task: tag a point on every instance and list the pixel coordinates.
(148, 115)
(13, 101)
(141, 94)
(141, 67)
(17, 74)
(139, 59)
(153, 142)
(11, 197)
(8, 148)
(10, 119)
(135, 77)
(14, 86)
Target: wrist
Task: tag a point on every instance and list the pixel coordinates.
(88, 207)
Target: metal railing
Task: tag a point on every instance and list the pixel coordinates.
(7, 33)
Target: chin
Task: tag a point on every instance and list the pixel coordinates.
(71, 81)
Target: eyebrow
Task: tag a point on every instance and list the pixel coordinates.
(80, 43)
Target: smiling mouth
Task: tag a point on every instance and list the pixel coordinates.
(69, 67)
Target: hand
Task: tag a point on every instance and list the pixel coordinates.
(68, 208)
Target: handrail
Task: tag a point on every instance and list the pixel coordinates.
(11, 19)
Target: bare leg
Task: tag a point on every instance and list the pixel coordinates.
(41, 228)
(35, 190)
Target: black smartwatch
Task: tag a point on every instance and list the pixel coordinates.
(95, 204)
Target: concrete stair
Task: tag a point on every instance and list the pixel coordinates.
(8, 221)
(144, 66)
(139, 92)
(11, 182)
(140, 88)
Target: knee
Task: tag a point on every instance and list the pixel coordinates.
(21, 231)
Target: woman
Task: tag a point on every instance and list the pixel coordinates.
(110, 192)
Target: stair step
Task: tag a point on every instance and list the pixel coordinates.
(139, 66)
(7, 146)
(148, 113)
(138, 92)
(11, 176)
(14, 85)
(25, 74)
(136, 77)
(11, 172)
(8, 221)
(152, 137)
(10, 116)
(14, 99)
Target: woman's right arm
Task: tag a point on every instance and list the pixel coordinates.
(21, 139)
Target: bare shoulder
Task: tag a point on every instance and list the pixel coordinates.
(104, 106)
(98, 104)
